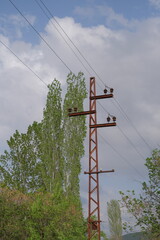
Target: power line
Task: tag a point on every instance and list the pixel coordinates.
(127, 118)
(23, 63)
(120, 107)
(57, 54)
(72, 42)
(65, 39)
(62, 37)
(71, 71)
(46, 85)
(122, 132)
(130, 142)
(121, 156)
(40, 36)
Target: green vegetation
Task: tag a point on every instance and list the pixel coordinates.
(134, 236)
(39, 216)
(115, 221)
(146, 208)
(39, 194)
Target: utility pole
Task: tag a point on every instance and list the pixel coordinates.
(93, 172)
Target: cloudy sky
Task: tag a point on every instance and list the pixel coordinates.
(120, 41)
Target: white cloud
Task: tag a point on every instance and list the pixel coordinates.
(155, 3)
(112, 16)
(14, 25)
(109, 16)
(19, 20)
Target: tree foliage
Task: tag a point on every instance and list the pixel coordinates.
(50, 150)
(114, 218)
(146, 208)
(39, 216)
(43, 167)
(48, 155)
(74, 132)
(20, 165)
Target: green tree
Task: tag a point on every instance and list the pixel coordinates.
(39, 215)
(19, 166)
(48, 156)
(50, 150)
(46, 159)
(74, 132)
(114, 218)
(146, 207)
(13, 208)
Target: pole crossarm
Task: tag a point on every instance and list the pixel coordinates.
(100, 171)
(81, 113)
(101, 96)
(103, 125)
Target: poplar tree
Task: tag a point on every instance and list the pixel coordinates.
(74, 129)
(47, 157)
(51, 140)
(46, 160)
(115, 221)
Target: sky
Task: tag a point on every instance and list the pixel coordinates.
(120, 41)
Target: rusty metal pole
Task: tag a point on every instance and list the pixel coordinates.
(93, 193)
(93, 172)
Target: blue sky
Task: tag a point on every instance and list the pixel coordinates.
(128, 8)
(87, 12)
(120, 39)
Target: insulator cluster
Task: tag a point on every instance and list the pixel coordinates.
(110, 90)
(72, 109)
(109, 118)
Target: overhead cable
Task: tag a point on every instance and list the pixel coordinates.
(40, 36)
(72, 41)
(128, 119)
(121, 156)
(56, 53)
(121, 108)
(46, 86)
(23, 63)
(62, 37)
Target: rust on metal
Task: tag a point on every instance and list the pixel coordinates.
(93, 172)
(103, 125)
(101, 171)
(94, 225)
(101, 96)
(74, 114)
(93, 193)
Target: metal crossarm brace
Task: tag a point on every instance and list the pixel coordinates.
(80, 113)
(101, 96)
(102, 125)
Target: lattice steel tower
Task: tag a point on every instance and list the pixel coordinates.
(93, 172)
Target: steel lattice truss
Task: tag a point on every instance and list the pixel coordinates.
(93, 172)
